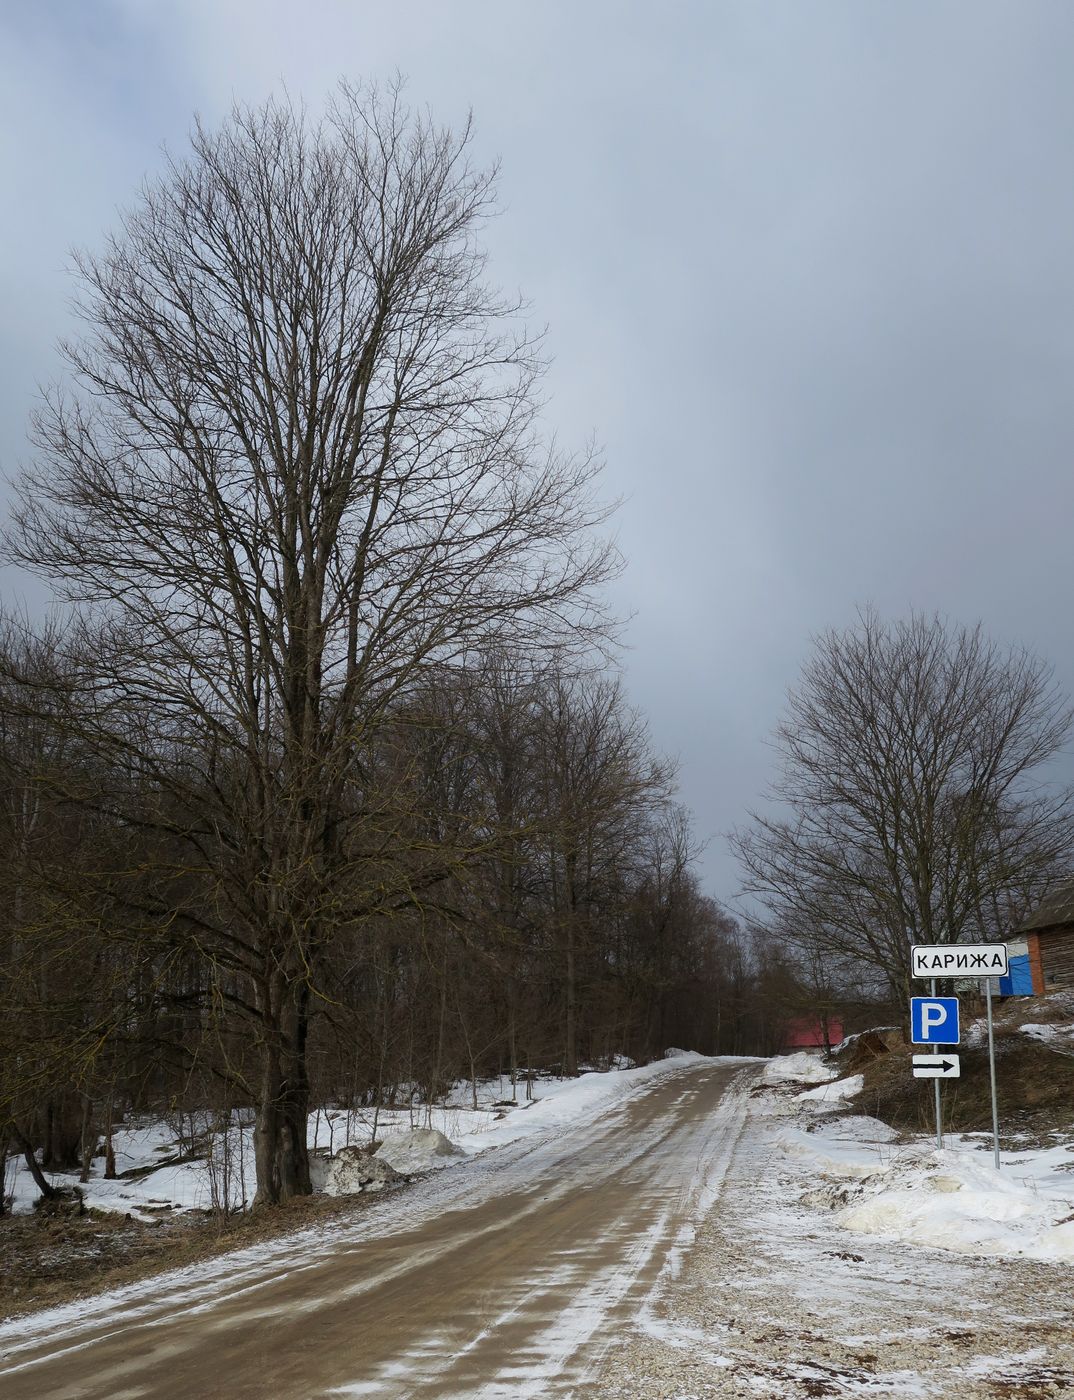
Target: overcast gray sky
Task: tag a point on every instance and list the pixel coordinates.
(807, 268)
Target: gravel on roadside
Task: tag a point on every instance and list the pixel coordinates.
(774, 1299)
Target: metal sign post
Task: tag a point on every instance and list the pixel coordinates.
(935, 1021)
(936, 1087)
(992, 1072)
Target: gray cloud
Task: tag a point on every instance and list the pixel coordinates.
(806, 271)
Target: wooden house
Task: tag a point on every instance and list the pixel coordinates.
(1049, 938)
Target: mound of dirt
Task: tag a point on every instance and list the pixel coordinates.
(1034, 1089)
(860, 1049)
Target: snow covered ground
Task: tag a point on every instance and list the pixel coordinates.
(911, 1192)
(839, 1260)
(800, 1068)
(820, 1253)
(227, 1172)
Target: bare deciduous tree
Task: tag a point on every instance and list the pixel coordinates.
(599, 785)
(299, 466)
(912, 809)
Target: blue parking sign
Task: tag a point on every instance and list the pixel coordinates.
(934, 1020)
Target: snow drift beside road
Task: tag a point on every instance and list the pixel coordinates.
(799, 1068)
(835, 1091)
(955, 1199)
(951, 1199)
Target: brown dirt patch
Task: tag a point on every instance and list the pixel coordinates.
(1034, 1089)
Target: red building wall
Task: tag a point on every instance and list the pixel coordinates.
(808, 1034)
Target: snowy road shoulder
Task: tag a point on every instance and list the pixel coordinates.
(914, 1193)
(781, 1298)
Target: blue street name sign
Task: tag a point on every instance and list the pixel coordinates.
(934, 1020)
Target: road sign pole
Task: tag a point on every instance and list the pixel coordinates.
(992, 1072)
(936, 1087)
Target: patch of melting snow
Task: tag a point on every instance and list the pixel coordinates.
(989, 1365)
(1048, 1032)
(955, 1199)
(799, 1068)
(836, 1091)
(952, 1199)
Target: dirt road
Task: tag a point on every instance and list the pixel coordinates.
(512, 1276)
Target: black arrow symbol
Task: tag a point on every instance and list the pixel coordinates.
(945, 1065)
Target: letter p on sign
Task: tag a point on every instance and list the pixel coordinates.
(932, 1015)
(934, 1020)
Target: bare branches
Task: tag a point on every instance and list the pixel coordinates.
(909, 759)
(300, 472)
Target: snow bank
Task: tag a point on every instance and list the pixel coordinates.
(951, 1199)
(801, 1068)
(956, 1200)
(847, 1149)
(420, 1150)
(835, 1092)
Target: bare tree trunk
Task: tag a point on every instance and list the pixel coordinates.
(43, 1185)
(89, 1138)
(109, 1146)
(281, 1151)
(570, 1064)
(292, 1150)
(468, 1041)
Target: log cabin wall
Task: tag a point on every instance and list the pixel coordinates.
(1036, 968)
(1057, 957)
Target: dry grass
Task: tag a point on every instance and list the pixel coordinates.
(48, 1260)
(1034, 1090)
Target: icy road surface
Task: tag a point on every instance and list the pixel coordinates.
(509, 1277)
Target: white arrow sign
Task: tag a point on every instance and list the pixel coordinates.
(958, 960)
(936, 1067)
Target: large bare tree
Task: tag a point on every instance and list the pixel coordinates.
(911, 802)
(297, 465)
